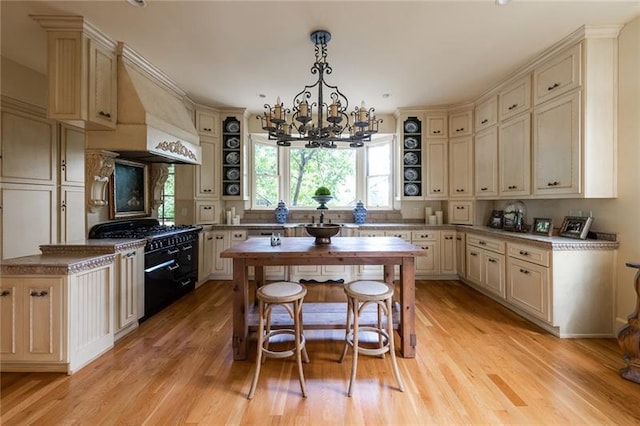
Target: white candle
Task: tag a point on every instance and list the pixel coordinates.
(304, 109)
(439, 220)
(362, 113)
(277, 110)
(333, 110)
(433, 220)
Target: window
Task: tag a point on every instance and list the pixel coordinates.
(293, 174)
(166, 211)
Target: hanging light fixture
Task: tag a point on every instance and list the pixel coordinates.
(332, 124)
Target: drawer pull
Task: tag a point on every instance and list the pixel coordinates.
(42, 293)
(436, 132)
(461, 129)
(554, 183)
(512, 187)
(104, 114)
(459, 238)
(459, 207)
(514, 106)
(485, 121)
(524, 253)
(482, 243)
(524, 271)
(5, 293)
(555, 85)
(473, 254)
(219, 237)
(484, 189)
(132, 254)
(492, 260)
(173, 268)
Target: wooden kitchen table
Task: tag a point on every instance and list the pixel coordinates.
(386, 251)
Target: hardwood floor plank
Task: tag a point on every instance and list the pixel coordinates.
(476, 363)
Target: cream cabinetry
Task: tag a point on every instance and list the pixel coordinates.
(428, 264)
(461, 167)
(59, 323)
(461, 254)
(448, 261)
(206, 255)
(486, 113)
(130, 288)
(486, 264)
(436, 125)
(207, 121)
(461, 212)
(207, 174)
(558, 75)
(82, 73)
(514, 145)
(436, 172)
(486, 163)
(222, 269)
(528, 280)
(460, 123)
(515, 98)
(377, 271)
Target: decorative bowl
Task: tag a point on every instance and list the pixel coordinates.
(323, 231)
(323, 200)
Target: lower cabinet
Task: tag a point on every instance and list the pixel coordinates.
(461, 254)
(56, 323)
(528, 287)
(130, 290)
(428, 264)
(485, 264)
(448, 264)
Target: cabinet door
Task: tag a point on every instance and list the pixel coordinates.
(71, 156)
(371, 271)
(486, 163)
(102, 86)
(494, 274)
(10, 319)
(558, 75)
(461, 254)
(515, 98)
(460, 123)
(556, 146)
(429, 264)
(126, 297)
(221, 267)
(514, 144)
(72, 217)
(206, 181)
(24, 229)
(437, 176)
(461, 212)
(448, 252)
(29, 148)
(475, 267)
(529, 288)
(207, 122)
(461, 167)
(208, 254)
(486, 113)
(42, 317)
(206, 212)
(436, 126)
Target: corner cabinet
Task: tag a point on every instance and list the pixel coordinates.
(82, 73)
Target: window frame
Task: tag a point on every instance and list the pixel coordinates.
(362, 176)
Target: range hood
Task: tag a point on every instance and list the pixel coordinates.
(153, 124)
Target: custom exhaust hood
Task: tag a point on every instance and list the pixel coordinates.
(153, 124)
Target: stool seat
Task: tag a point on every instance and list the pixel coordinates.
(359, 295)
(290, 296)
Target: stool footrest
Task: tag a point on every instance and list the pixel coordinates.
(284, 353)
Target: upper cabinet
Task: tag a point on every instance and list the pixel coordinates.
(82, 71)
(515, 98)
(436, 125)
(460, 123)
(558, 75)
(207, 121)
(486, 113)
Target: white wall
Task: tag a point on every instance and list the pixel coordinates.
(25, 84)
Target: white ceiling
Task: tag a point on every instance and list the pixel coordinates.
(227, 53)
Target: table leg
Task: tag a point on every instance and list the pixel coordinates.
(240, 309)
(408, 303)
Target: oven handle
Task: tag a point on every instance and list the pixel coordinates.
(173, 251)
(185, 248)
(161, 265)
(184, 283)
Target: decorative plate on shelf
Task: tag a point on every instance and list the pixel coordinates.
(233, 174)
(410, 158)
(411, 174)
(232, 158)
(233, 189)
(411, 126)
(411, 143)
(411, 189)
(233, 127)
(232, 143)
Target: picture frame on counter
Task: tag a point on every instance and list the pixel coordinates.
(128, 188)
(496, 220)
(542, 226)
(576, 227)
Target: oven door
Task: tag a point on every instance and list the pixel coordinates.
(159, 285)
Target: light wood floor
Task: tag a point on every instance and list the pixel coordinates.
(477, 363)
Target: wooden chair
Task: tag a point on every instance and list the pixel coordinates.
(359, 295)
(290, 296)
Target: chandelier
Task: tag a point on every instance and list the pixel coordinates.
(331, 124)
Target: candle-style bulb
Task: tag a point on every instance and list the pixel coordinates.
(362, 106)
(278, 101)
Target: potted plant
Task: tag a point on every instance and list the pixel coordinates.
(322, 196)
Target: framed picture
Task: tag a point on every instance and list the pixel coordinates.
(575, 227)
(542, 226)
(129, 190)
(496, 220)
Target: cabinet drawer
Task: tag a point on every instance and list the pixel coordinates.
(558, 75)
(485, 243)
(515, 98)
(238, 236)
(529, 253)
(405, 235)
(426, 235)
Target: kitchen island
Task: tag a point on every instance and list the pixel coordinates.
(385, 251)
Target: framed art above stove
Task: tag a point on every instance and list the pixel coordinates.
(129, 190)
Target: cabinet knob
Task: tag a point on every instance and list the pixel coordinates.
(5, 293)
(459, 238)
(219, 237)
(473, 254)
(524, 253)
(524, 271)
(482, 243)
(492, 260)
(554, 183)
(132, 254)
(104, 114)
(459, 207)
(484, 121)
(63, 165)
(42, 293)
(512, 187)
(435, 132)
(63, 206)
(514, 106)
(554, 86)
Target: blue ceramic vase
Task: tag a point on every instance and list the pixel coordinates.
(359, 213)
(282, 212)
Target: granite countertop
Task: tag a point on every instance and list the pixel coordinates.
(94, 246)
(54, 264)
(605, 242)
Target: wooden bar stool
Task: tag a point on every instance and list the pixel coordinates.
(359, 295)
(288, 295)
